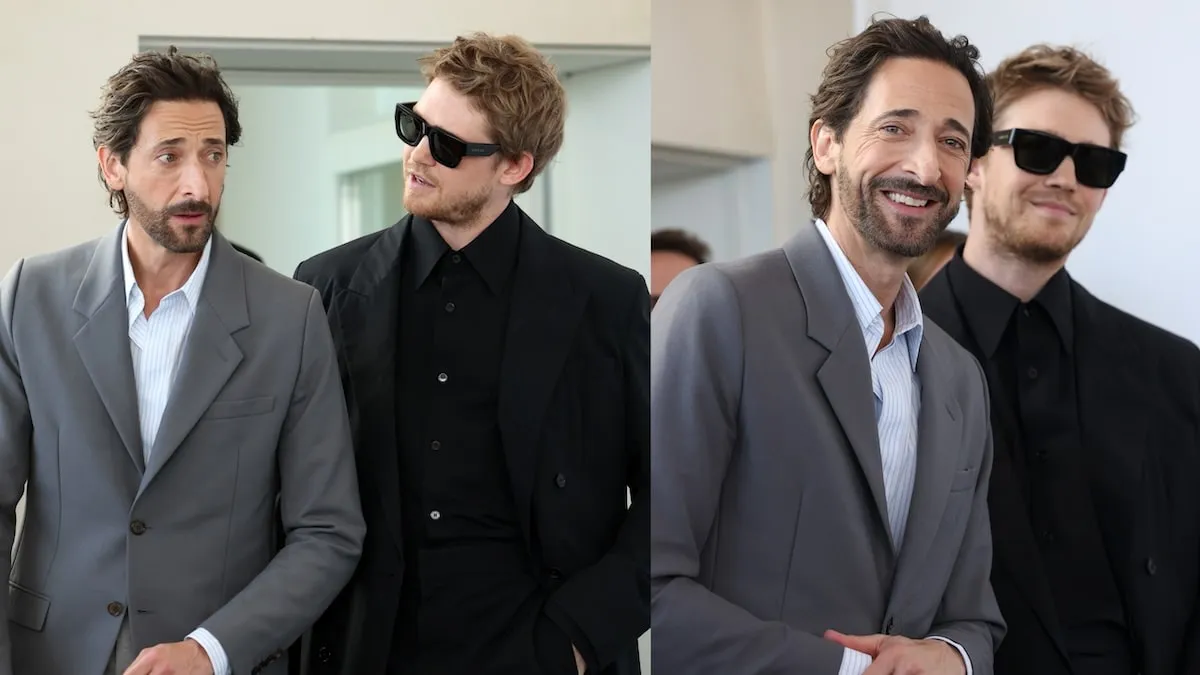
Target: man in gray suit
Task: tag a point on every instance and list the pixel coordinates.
(160, 394)
(820, 453)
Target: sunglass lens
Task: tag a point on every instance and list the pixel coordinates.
(1038, 154)
(1098, 167)
(447, 151)
(407, 127)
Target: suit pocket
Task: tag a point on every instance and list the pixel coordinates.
(26, 608)
(965, 479)
(241, 408)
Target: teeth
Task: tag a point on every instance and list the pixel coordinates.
(905, 199)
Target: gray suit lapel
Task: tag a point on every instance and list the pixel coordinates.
(845, 376)
(939, 441)
(210, 354)
(103, 341)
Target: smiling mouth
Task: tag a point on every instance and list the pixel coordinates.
(907, 200)
(420, 181)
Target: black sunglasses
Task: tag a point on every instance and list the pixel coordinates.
(1041, 153)
(446, 148)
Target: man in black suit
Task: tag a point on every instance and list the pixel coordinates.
(1094, 508)
(498, 383)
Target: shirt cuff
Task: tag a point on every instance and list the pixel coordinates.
(854, 662)
(216, 653)
(961, 652)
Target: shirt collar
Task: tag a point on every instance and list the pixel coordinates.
(191, 288)
(910, 324)
(988, 309)
(493, 253)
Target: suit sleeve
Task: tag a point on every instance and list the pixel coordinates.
(696, 358)
(606, 607)
(16, 439)
(320, 509)
(968, 615)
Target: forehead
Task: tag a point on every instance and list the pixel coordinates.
(182, 121)
(932, 89)
(1055, 111)
(443, 106)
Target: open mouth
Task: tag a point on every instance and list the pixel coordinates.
(418, 181)
(908, 204)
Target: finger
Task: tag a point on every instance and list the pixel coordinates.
(868, 644)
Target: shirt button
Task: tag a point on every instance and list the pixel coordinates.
(456, 258)
(436, 445)
(1151, 567)
(449, 306)
(435, 515)
(560, 480)
(1033, 373)
(116, 608)
(442, 377)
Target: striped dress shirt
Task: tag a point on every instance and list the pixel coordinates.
(156, 345)
(897, 392)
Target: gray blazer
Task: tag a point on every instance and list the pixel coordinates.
(769, 523)
(187, 539)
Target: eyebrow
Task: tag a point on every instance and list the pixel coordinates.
(908, 113)
(175, 142)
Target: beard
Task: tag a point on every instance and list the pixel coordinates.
(456, 210)
(1029, 240)
(913, 236)
(157, 223)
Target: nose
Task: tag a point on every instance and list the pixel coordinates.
(422, 154)
(923, 162)
(1064, 176)
(193, 183)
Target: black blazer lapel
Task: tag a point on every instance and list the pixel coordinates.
(1013, 543)
(367, 314)
(544, 315)
(1112, 414)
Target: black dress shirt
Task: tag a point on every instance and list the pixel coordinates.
(467, 574)
(1028, 353)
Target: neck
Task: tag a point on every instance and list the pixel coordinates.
(883, 272)
(458, 235)
(158, 272)
(1021, 278)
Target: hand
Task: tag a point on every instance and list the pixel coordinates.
(176, 658)
(580, 665)
(895, 655)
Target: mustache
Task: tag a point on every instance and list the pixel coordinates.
(911, 187)
(191, 206)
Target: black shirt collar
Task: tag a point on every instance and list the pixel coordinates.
(493, 253)
(987, 308)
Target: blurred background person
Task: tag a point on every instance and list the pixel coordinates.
(671, 252)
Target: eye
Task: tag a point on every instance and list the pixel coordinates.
(166, 158)
(956, 143)
(891, 129)
(216, 155)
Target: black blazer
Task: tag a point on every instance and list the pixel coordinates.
(1139, 401)
(574, 414)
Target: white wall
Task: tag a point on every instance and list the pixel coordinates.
(600, 182)
(765, 58)
(1140, 253)
(279, 194)
(730, 210)
(48, 185)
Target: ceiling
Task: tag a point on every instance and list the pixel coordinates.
(669, 164)
(363, 61)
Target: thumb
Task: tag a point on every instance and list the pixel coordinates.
(867, 644)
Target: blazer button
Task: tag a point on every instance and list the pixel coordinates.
(324, 655)
(116, 608)
(1151, 567)
(555, 573)
(137, 527)
(560, 480)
